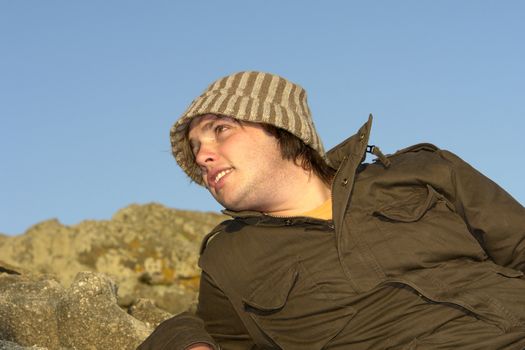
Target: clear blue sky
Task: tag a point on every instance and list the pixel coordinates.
(89, 89)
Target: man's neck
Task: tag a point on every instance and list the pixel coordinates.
(307, 192)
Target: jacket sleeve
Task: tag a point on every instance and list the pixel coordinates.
(492, 215)
(216, 323)
(220, 318)
(178, 333)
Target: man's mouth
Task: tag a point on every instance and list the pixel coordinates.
(220, 175)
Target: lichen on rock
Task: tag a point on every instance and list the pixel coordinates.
(99, 284)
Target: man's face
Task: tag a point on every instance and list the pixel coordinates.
(241, 164)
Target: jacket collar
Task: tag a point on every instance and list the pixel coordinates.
(354, 145)
(348, 155)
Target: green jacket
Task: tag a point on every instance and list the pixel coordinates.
(421, 226)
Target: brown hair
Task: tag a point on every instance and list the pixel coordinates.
(293, 148)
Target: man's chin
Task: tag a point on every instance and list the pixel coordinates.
(231, 205)
(225, 202)
(230, 202)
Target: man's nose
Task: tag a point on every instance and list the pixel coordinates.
(206, 155)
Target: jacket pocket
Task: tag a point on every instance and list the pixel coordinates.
(507, 271)
(492, 292)
(295, 312)
(412, 208)
(420, 230)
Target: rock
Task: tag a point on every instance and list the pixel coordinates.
(10, 269)
(149, 250)
(28, 310)
(7, 345)
(89, 317)
(58, 284)
(146, 311)
(37, 310)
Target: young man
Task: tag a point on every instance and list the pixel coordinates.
(417, 250)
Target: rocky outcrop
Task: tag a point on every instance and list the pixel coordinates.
(39, 311)
(99, 284)
(150, 251)
(8, 345)
(27, 310)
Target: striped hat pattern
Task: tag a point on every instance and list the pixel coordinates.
(248, 96)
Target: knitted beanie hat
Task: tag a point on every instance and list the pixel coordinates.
(248, 96)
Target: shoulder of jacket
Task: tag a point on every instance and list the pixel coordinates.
(213, 233)
(427, 147)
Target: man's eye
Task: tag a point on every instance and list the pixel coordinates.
(220, 128)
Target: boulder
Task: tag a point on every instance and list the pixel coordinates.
(146, 311)
(28, 310)
(58, 283)
(38, 311)
(149, 250)
(89, 317)
(8, 345)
